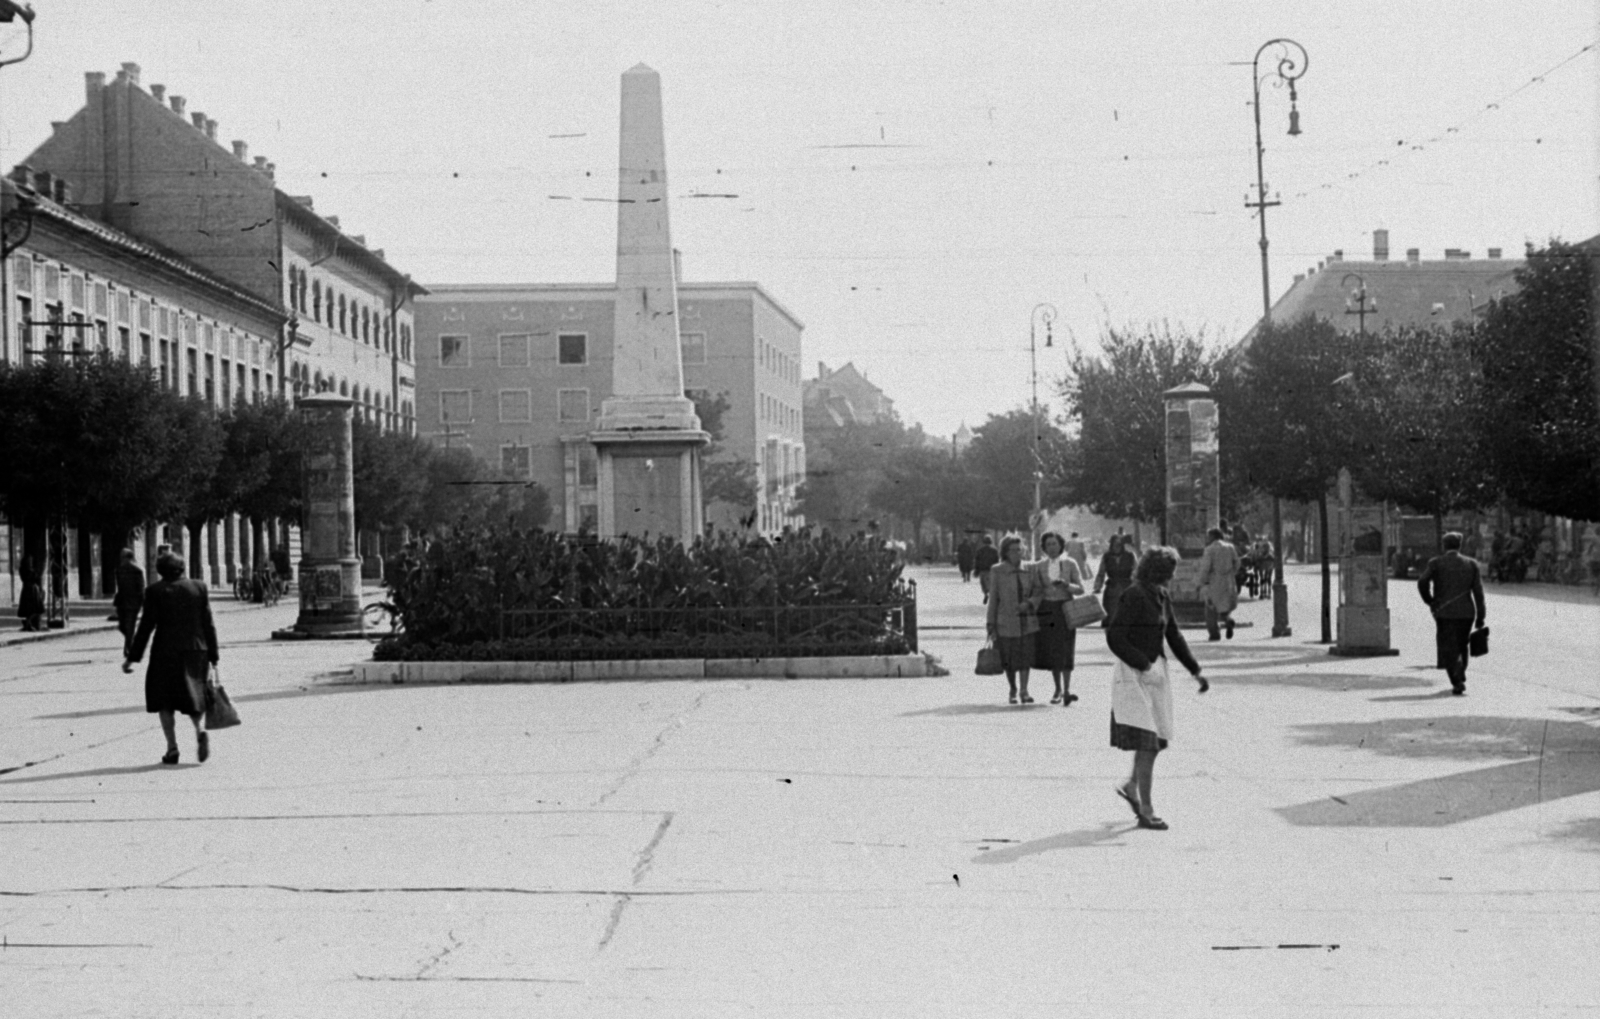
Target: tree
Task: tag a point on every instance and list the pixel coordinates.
(844, 466)
(266, 443)
(999, 470)
(727, 479)
(1541, 394)
(1285, 422)
(912, 478)
(96, 441)
(1419, 396)
(390, 474)
(1120, 466)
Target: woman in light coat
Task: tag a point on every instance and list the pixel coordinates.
(1058, 578)
(1219, 582)
(1013, 621)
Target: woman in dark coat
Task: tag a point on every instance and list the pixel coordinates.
(178, 612)
(1116, 573)
(1141, 692)
(1013, 619)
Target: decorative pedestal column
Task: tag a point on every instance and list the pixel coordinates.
(330, 568)
(1363, 617)
(648, 438)
(1193, 491)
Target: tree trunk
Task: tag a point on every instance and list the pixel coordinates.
(1322, 541)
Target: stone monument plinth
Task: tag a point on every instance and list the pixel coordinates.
(330, 566)
(648, 437)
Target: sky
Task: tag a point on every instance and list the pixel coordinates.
(911, 179)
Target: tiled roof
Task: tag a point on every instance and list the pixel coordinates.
(114, 238)
(1398, 292)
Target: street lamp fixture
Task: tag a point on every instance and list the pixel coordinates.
(1292, 61)
(1359, 303)
(1043, 312)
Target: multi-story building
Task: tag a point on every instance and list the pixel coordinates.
(516, 374)
(77, 286)
(837, 397)
(138, 161)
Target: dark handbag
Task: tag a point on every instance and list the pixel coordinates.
(220, 712)
(1478, 642)
(989, 663)
(1084, 610)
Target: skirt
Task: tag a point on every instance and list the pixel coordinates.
(1055, 643)
(1016, 653)
(177, 684)
(1141, 707)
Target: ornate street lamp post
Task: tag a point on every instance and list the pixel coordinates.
(1359, 304)
(1043, 312)
(1291, 65)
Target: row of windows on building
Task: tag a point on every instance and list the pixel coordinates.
(370, 405)
(517, 350)
(513, 406)
(348, 316)
(776, 412)
(779, 363)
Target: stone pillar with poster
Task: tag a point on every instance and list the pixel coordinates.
(1363, 616)
(1193, 491)
(330, 565)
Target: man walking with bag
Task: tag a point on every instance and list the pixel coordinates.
(1452, 587)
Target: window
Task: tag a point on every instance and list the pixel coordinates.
(588, 518)
(453, 352)
(227, 385)
(515, 461)
(77, 289)
(25, 315)
(192, 362)
(455, 407)
(516, 405)
(573, 348)
(514, 350)
(588, 466)
(316, 300)
(343, 308)
(255, 385)
(122, 306)
(694, 348)
(22, 273)
(52, 283)
(211, 374)
(572, 405)
(144, 314)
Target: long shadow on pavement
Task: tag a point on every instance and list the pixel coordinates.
(133, 769)
(1082, 839)
(1332, 682)
(1551, 760)
(951, 710)
(320, 690)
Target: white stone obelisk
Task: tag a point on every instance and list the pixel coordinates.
(648, 437)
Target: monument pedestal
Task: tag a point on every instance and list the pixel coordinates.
(650, 482)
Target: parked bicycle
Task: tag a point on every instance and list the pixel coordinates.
(380, 619)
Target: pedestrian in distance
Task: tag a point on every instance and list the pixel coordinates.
(129, 598)
(1219, 583)
(30, 603)
(1079, 553)
(1013, 620)
(966, 553)
(1452, 587)
(1058, 579)
(983, 561)
(177, 612)
(1141, 689)
(1116, 573)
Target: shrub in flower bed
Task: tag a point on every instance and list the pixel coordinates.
(451, 595)
(635, 647)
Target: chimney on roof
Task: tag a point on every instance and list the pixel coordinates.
(22, 175)
(57, 125)
(93, 81)
(1299, 277)
(241, 151)
(199, 120)
(261, 163)
(44, 183)
(130, 73)
(378, 252)
(211, 129)
(159, 92)
(1456, 254)
(1495, 253)
(333, 220)
(360, 239)
(1413, 254)
(1380, 245)
(1338, 255)
(178, 103)
(272, 170)
(63, 191)
(302, 199)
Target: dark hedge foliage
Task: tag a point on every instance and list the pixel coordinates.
(452, 591)
(631, 647)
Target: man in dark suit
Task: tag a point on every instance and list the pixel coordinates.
(1452, 587)
(129, 598)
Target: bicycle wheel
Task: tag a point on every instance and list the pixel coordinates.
(378, 619)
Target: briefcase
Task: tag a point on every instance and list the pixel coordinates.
(1478, 642)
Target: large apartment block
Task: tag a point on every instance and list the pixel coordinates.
(516, 374)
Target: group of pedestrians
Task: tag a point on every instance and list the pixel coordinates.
(1027, 622)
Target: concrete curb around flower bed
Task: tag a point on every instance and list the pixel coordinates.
(842, 667)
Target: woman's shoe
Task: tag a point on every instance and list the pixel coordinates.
(1133, 804)
(1152, 822)
(204, 741)
(1013, 698)
(1055, 698)
(171, 757)
(1229, 624)
(1066, 702)
(1026, 699)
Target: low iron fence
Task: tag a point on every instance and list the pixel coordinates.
(770, 628)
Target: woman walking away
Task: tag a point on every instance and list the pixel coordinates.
(1116, 573)
(1141, 691)
(1014, 597)
(1057, 578)
(178, 612)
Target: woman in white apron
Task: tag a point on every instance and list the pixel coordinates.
(1141, 693)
